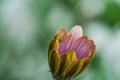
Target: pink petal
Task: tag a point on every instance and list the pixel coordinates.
(79, 43)
(63, 44)
(76, 32)
(84, 50)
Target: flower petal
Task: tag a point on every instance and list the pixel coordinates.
(89, 48)
(76, 32)
(84, 50)
(63, 45)
(78, 44)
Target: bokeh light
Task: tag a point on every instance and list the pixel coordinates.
(27, 26)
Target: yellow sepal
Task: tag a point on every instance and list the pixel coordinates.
(54, 61)
(80, 65)
(72, 69)
(66, 59)
(86, 62)
(54, 44)
(72, 55)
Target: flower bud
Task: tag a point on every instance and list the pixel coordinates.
(69, 54)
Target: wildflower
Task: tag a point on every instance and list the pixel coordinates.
(70, 53)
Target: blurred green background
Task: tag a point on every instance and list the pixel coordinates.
(27, 26)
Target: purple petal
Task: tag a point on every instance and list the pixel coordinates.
(63, 45)
(78, 43)
(93, 49)
(84, 50)
(76, 32)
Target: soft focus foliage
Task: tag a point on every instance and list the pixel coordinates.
(26, 27)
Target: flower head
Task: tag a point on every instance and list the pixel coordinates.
(70, 53)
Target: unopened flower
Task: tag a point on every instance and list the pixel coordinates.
(70, 53)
